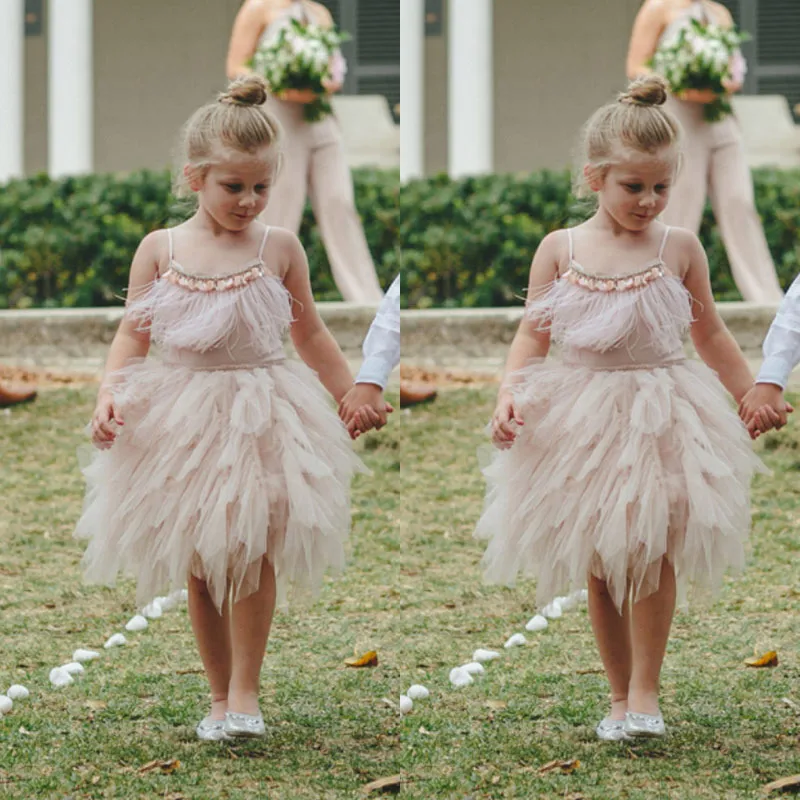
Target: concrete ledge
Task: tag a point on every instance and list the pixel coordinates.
(452, 337)
(465, 338)
(78, 338)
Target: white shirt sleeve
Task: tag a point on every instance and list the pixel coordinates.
(382, 345)
(782, 345)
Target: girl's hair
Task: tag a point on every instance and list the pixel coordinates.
(237, 120)
(636, 120)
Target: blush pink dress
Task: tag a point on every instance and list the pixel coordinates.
(630, 453)
(229, 452)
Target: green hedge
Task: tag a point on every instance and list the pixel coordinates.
(69, 242)
(464, 242)
(469, 242)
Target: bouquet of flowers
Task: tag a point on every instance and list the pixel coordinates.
(703, 56)
(303, 56)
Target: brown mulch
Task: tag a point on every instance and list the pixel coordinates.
(21, 377)
(443, 378)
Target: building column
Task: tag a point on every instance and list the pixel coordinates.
(12, 88)
(412, 89)
(70, 87)
(470, 102)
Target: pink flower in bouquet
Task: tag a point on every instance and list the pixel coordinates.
(738, 67)
(338, 68)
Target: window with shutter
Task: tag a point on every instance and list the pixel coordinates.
(373, 52)
(773, 55)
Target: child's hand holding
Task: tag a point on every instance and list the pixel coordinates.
(363, 408)
(764, 408)
(504, 420)
(105, 416)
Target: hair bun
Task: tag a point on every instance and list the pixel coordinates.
(250, 90)
(649, 91)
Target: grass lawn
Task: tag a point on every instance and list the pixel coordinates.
(329, 729)
(732, 729)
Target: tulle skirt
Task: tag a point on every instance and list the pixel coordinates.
(212, 471)
(614, 471)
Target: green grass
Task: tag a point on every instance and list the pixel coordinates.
(731, 731)
(329, 730)
(413, 592)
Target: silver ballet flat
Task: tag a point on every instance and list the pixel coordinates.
(611, 730)
(211, 730)
(644, 726)
(243, 726)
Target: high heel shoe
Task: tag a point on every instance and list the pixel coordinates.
(644, 726)
(610, 730)
(243, 726)
(211, 730)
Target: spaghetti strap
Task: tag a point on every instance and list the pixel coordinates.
(663, 242)
(569, 239)
(169, 239)
(263, 242)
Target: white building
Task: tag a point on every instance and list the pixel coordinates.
(504, 85)
(104, 85)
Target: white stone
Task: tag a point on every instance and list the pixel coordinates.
(115, 641)
(60, 677)
(473, 668)
(485, 655)
(6, 704)
(567, 602)
(552, 610)
(137, 623)
(85, 655)
(405, 704)
(153, 610)
(169, 602)
(17, 692)
(537, 623)
(460, 677)
(515, 641)
(73, 668)
(418, 692)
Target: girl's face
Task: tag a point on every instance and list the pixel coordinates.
(635, 189)
(235, 189)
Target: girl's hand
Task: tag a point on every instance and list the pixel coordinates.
(302, 96)
(763, 408)
(105, 417)
(702, 96)
(504, 421)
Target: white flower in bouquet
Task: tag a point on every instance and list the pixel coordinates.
(706, 57)
(303, 56)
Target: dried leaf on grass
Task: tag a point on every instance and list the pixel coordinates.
(496, 705)
(165, 766)
(769, 659)
(564, 766)
(96, 705)
(390, 784)
(791, 783)
(369, 659)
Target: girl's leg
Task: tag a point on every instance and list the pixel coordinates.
(212, 633)
(251, 622)
(652, 619)
(613, 636)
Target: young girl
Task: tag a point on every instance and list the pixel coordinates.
(223, 461)
(624, 461)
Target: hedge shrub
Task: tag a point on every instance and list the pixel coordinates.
(69, 242)
(467, 242)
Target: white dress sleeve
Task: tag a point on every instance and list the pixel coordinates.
(382, 345)
(782, 345)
